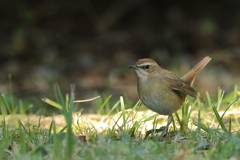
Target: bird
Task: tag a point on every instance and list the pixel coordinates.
(163, 92)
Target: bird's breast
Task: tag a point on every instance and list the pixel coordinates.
(159, 97)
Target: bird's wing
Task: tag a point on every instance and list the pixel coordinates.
(178, 85)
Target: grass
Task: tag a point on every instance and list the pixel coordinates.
(208, 130)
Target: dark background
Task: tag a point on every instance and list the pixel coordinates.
(91, 43)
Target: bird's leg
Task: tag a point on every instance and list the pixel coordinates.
(166, 128)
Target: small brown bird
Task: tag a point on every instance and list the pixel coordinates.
(161, 90)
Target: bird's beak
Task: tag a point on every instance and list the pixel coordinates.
(132, 67)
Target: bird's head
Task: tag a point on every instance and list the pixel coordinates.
(146, 68)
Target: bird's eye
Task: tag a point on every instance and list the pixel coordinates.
(146, 67)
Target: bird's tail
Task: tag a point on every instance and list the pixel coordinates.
(190, 76)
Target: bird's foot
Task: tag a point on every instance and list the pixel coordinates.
(164, 132)
(162, 129)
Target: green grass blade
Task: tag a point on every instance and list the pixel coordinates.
(199, 120)
(9, 109)
(230, 126)
(219, 119)
(63, 129)
(113, 108)
(123, 111)
(148, 118)
(209, 102)
(219, 97)
(29, 134)
(50, 128)
(103, 105)
(94, 128)
(111, 132)
(174, 125)
(204, 127)
(68, 117)
(6, 138)
(60, 98)
(67, 102)
(229, 107)
(22, 138)
(52, 103)
(12, 103)
(179, 120)
(4, 108)
(56, 143)
(21, 108)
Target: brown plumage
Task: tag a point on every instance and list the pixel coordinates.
(161, 90)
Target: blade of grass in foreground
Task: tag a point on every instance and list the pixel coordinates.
(22, 139)
(68, 116)
(50, 129)
(104, 104)
(56, 146)
(28, 133)
(6, 138)
(123, 112)
(59, 96)
(52, 103)
(219, 119)
(67, 109)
